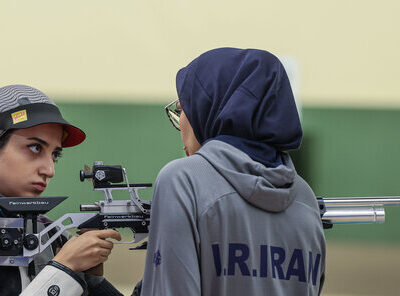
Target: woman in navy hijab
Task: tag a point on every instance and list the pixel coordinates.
(234, 218)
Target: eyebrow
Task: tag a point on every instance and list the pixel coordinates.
(44, 143)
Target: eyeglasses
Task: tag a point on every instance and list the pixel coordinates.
(173, 113)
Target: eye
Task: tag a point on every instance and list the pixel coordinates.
(35, 148)
(56, 155)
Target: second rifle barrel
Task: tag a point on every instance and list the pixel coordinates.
(354, 215)
(362, 201)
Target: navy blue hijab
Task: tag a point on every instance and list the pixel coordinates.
(244, 98)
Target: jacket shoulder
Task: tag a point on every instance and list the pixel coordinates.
(182, 167)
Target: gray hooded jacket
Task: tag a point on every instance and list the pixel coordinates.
(223, 224)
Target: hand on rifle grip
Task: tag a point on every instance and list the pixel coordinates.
(87, 250)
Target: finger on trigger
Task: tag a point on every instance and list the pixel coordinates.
(109, 233)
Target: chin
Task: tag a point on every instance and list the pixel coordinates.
(31, 194)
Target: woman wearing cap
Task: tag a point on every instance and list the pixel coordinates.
(32, 136)
(234, 218)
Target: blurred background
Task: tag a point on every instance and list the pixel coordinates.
(111, 67)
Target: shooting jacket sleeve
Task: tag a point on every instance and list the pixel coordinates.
(172, 261)
(56, 279)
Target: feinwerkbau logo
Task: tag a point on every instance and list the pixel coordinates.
(27, 203)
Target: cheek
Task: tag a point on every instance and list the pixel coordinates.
(14, 167)
(183, 134)
(17, 161)
(183, 126)
(13, 176)
(187, 135)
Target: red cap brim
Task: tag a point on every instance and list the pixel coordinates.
(75, 136)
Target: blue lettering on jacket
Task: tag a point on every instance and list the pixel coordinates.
(313, 268)
(263, 261)
(274, 261)
(278, 256)
(296, 266)
(217, 258)
(239, 259)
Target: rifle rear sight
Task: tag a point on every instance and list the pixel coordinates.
(103, 176)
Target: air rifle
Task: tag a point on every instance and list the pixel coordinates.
(20, 239)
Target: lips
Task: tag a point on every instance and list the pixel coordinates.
(40, 186)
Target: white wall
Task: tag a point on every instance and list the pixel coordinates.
(347, 51)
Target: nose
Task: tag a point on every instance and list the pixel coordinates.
(46, 168)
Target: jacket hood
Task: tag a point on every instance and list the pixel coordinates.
(270, 189)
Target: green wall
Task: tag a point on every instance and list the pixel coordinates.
(344, 153)
(354, 152)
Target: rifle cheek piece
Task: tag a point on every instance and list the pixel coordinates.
(17, 245)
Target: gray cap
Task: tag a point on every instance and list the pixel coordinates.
(23, 106)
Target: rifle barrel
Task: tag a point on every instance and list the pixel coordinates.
(382, 201)
(354, 215)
